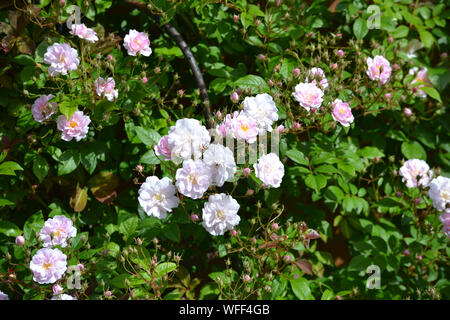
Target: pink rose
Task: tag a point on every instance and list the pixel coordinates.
(76, 127)
(342, 113)
(379, 69)
(162, 148)
(445, 219)
(243, 127)
(422, 78)
(84, 32)
(137, 42)
(42, 109)
(106, 88)
(61, 58)
(308, 95)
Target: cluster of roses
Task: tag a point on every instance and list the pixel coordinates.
(309, 95)
(416, 173)
(206, 164)
(62, 59)
(49, 263)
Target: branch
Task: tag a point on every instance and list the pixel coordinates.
(176, 36)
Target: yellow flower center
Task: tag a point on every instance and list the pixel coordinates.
(137, 42)
(158, 197)
(62, 59)
(220, 214)
(57, 232)
(73, 124)
(244, 127)
(46, 265)
(193, 178)
(341, 111)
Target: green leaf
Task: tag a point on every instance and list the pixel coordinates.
(401, 32)
(255, 83)
(148, 136)
(119, 281)
(327, 295)
(359, 263)
(5, 202)
(334, 193)
(316, 182)
(426, 38)
(68, 108)
(150, 158)
(9, 229)
(413, 150)
(128, 226)
(24, 60)
(9, 167)
(68, 161)
(76, 241)
(432, 92)
(301, 289)
(326, 168)
(360, 28)
(172, 232)
(165, 268)
(297, 156)
(169, 52)
(33, 224)
(40, 168)
(370, 152)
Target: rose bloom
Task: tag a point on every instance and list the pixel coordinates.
(42, 109)
(220, 160)
(187, 139)
(262, 109)
(158, 196)
(61, 58)
(342, 113)
(63, 296)
(220, 214)
(76, 127)
(162, 148)
(193, 179)
(106, 88)
(3, 296)
(57, 289)
(317, 77)
(57, 231)
(308, 95)
(244, 127)
(270, 170)
(378, 69)
(84, 32)
(137, 42)
(422, 76)
(439, 192)
(445, 219)
(48, 265)
(416, 173)
(224, 128)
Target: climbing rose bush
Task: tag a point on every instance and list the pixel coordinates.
(224, 150)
